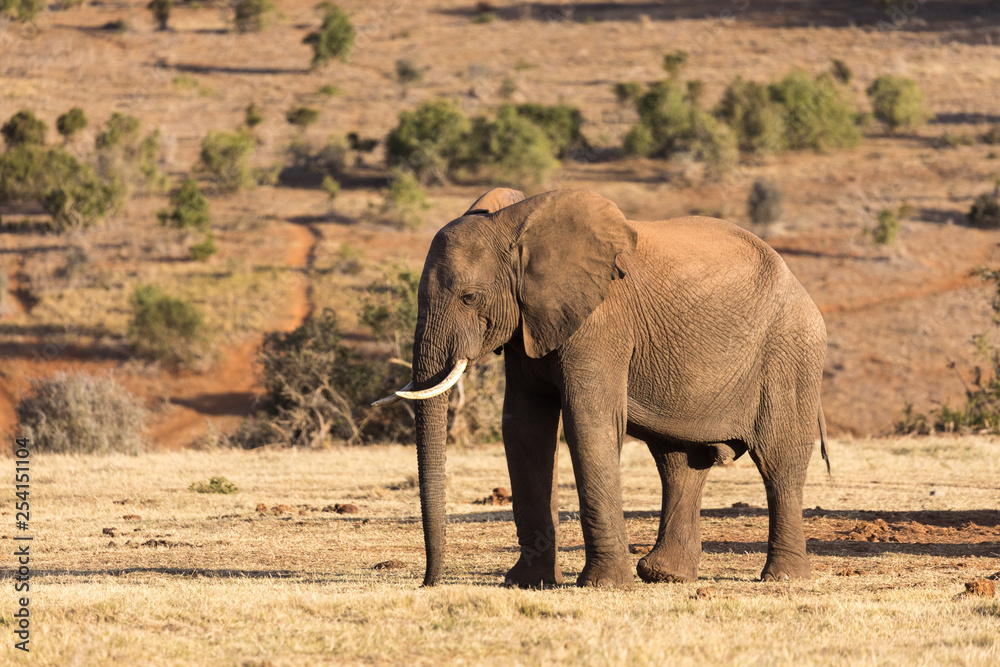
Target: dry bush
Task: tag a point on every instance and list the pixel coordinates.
(81, 414)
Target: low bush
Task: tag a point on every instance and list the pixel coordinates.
(674, 62)
(518, 149)
(335, 37)
(431, 141)
(407, 73)
(252, 116)
(23, 129)
(71, 122)
(886, 227)
(815, 113)
(201, 251)
(764, 202)
(81, 414)
(405, 201)
(321, 391)
(161, 12)
(561, 123)
(389, 308)
(313, 166)
(214, 485)
(985, 211)
(188, 208)
(897, 102)
(250, 15)
(24, 11)
(225, 157)
(128, 159)
(68, 190)
(302, 117)
(165, 329)
(759, 121)
(841, 72)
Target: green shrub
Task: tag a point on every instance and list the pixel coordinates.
(985, 211)
(407, 73)
(816, 117)
(841, 72)
(24, 11)
(23, 129)
(225, 156)
(165, 329)
(483, 18)
(250, 15)
(639, 142)
(515, 147)
(627, 92)
(117, 26)
(312, 167)
(561, 123)
(674, 62)
(127, 159)
(405, 200)
(389, 307)
(161, 12)
(188, 208)
(764, 202)
(66, 189)
(695, 88)
(321, 390)
(81, 414)
(886, 227)
(331, 186)
(200, 252)
(758, 121)
(71, 122)
(431, 141)
(302, 117)
(664, 109)
(214, 485)
(897, 102)
(335, 37)
(252, 116)
(713, 143)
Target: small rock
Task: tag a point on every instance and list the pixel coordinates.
(109, 531)
(703, 593)
(346, 508)
(112, 544)
(132, 517)
(261, 508)
(983, 588)
(500, 497)
(121, 502)
(389, 565)
(639, 549)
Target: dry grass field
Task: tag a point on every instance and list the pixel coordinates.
(269, 576)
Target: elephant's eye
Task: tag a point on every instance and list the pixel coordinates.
(470, 298)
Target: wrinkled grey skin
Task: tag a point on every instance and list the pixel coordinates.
(690, 334)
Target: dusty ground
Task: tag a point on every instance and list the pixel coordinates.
(130, 565)
(896, 317)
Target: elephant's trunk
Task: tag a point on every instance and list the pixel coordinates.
(431, 420)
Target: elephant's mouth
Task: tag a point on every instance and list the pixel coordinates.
(430, 392)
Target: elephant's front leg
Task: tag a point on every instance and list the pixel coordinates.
(530, 436)
(594, 421)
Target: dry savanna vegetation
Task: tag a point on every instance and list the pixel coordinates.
(212, 220)
(135, 565)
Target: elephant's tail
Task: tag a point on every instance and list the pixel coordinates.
(822, 439)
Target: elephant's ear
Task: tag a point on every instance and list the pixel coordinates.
(496, 199)
(565, 257)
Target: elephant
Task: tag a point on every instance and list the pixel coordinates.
(690, 334)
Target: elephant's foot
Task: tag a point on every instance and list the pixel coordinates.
(782, 567)
(533, 574)
(658, 566)
(617, 575)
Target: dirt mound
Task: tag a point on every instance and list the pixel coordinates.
(500, 496)
(983, 588)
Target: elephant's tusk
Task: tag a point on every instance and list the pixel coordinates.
(390, 399)
(444, 385)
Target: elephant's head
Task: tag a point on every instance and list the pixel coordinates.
(534, 268)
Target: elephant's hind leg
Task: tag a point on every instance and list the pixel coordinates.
(784, 477)
(678, 543)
